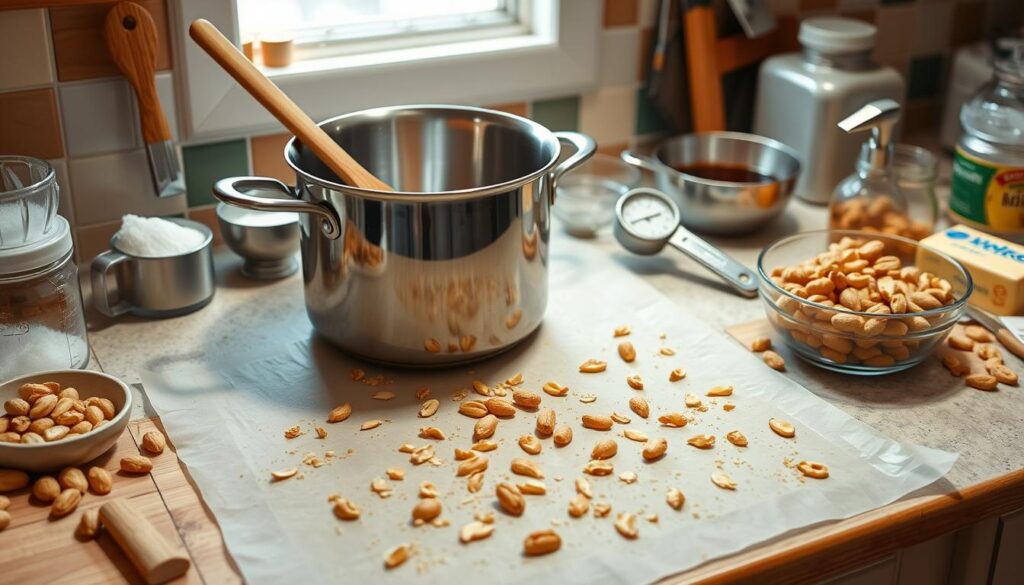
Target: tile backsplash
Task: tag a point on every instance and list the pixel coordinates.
(62, 99)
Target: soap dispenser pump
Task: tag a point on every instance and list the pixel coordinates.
(870, 199)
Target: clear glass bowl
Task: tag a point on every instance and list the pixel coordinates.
(29, 197)
(586, 196)
(806, 327)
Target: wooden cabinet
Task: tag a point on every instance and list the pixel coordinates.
(990, 552)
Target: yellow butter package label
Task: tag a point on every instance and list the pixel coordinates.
(995, 265)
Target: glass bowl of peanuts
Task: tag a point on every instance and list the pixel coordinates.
(858, 302)
(51, 420)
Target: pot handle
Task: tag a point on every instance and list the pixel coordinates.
(585, 148)
(231, 191)
(648, 163)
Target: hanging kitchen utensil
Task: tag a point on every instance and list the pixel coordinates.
(131, 42)
(282, 107)
(648, 219)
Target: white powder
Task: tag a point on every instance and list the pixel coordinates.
(40, 349)
(152, 237)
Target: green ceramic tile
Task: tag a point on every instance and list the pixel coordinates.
(558, 114)
(925, 80)
(206, 163)
(648, 119)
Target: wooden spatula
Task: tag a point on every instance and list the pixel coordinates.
(131, 41)
(284, 109)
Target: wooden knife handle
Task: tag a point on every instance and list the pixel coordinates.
(1010, 342)
(132, 43)
(155, 558)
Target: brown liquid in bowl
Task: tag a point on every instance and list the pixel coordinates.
(724, 172)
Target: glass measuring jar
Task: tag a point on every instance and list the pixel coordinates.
(29, 196)
(42, 323)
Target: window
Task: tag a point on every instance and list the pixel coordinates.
(358, 54)
(324, 28)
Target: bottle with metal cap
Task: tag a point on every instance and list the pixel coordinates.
(988, 168)
(871, 199)
(801, 96)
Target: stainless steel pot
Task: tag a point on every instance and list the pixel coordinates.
(723, 207)
(452, 265)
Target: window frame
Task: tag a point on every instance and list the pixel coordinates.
(559, 56)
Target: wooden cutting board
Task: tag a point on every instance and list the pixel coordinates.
(38, 549)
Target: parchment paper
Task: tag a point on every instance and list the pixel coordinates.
(227, 422)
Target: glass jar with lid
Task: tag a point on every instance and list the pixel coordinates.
(988, 168)
(42, 322)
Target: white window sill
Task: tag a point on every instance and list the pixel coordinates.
(558, 60)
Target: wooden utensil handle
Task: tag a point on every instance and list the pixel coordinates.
(281, 106)
(1010, 342)
(132, 43)
(154, 557)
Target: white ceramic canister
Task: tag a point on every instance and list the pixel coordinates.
(801, 97)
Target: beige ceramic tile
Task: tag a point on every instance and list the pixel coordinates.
(99, 116)
(66, 207)
(620, 12)
(934, 28)
(29, 123)
(517, 109)
(25, 44)
(618, 62)
(79, 47)
(648, 13)
(93, 240)
(608, 115)
(109, 186)
(268, 157)
(895, 40)
(208, 215)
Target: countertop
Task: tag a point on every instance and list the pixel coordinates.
(924, 405)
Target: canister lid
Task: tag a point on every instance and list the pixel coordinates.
(829, 34)
(52, 246)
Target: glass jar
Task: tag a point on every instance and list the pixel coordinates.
(42, 322)
(29, 197)
(988, 168)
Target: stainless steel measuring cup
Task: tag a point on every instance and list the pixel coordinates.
(164, 286)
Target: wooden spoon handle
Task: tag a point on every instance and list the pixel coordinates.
(131, 41)
(284, 109)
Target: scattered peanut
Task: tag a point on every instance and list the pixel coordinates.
(813, 469)
(782, 428)
(541, 542)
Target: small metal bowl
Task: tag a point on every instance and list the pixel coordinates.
(267, 242)
(74, 450)
(723, 207)
(586, 196)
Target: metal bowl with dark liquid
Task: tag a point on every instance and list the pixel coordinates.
(726, 183)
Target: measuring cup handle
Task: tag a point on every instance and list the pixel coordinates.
(739, 277)
(101, 266)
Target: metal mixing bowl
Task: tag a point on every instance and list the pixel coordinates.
(267, 241)
(723, 207)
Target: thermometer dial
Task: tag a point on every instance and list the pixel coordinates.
(647, 218)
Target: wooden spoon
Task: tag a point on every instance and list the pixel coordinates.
(284, 109)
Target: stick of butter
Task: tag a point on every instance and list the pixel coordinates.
(996, 266)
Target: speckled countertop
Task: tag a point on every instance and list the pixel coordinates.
(924, 405)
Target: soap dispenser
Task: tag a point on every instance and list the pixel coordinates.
(870, 199)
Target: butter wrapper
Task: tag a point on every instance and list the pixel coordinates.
(996, 266)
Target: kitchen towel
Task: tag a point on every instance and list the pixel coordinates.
(227, 421)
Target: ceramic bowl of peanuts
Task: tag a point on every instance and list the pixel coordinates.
(55, 419)
(859, 302)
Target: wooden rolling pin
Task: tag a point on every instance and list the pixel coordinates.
(155, 558)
